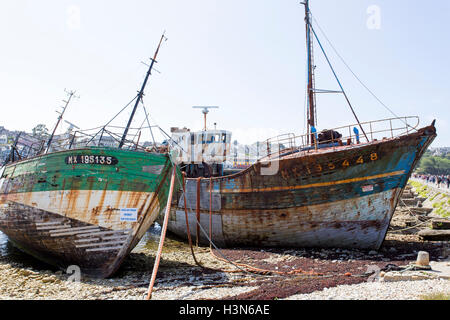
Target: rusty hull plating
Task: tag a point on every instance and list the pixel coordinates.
(335, 197)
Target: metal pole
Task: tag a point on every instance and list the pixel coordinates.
(310, 88)
(73, 139)
(163, 235)
(141, 93)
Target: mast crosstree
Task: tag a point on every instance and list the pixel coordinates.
(312, 108)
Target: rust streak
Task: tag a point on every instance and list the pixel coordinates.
(322, 184)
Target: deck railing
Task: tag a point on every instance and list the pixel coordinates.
(351, 134)
(27, 146)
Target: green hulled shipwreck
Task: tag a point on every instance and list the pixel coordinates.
(83, 203)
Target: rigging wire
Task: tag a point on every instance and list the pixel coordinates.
(138, 131)
(128, 104)
(305, 103)
(183, 192)
(103, 128)
(339, 82)
(148, 122)
(354, 74)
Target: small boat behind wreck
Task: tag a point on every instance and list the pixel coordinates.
(314, 190)
(82, 203)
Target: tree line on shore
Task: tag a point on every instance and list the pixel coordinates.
(434, 165)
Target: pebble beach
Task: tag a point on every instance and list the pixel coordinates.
(326, 274)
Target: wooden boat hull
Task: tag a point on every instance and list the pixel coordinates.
(335, 197)
(86, 207)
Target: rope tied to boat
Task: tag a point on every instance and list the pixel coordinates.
(241, 267)
(187, 221)
(197, 235)
(246, 267)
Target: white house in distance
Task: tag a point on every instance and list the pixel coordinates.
(3, 139)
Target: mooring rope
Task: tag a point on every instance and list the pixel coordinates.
(240, 266)
(187, 222)
(246, 267)
(212, 244)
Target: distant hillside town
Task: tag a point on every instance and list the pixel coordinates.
(240, 155)
(38, 136)
(7, 138)
(440, 152)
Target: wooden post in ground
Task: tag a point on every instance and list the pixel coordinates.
(163, 235)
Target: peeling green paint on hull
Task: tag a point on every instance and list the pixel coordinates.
(87, 207)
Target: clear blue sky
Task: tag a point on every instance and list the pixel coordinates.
(246, 56)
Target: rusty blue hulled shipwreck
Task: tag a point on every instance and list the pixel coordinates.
(335, 188)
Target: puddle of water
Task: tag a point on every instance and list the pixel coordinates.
(150, 241)
(3, 244)
(9, 251)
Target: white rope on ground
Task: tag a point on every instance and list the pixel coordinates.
(413, 227)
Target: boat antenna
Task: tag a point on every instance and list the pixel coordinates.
(141, 92)
(205, 111)
(61, 114)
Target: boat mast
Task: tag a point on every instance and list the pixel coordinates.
(141, 93)
(311, 113)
